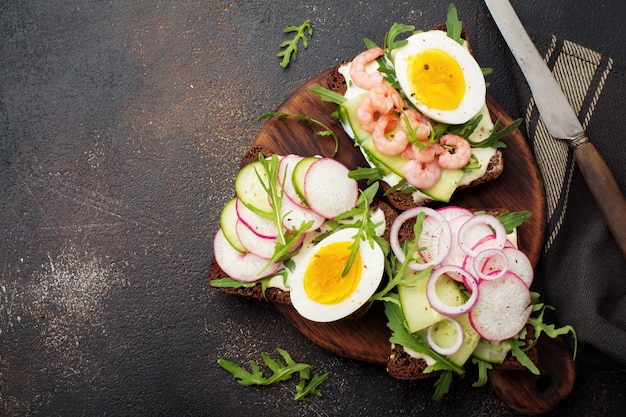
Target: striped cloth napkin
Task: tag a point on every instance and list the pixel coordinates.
(582, 273)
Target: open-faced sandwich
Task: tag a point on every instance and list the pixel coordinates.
(453, 281)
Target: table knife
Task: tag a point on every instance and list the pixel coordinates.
(561, 120)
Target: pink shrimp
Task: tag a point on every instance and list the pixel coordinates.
(359, 75)
(421, 175)
(418, 122)
(425, 155)
(381, 100)
(459, 156)
(386, 145)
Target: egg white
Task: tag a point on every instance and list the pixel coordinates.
(371, 275)
(474, 97)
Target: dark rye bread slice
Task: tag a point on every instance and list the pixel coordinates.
(277, 295)
(402, 365)
(404, 201)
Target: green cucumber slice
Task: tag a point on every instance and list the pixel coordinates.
(250, 190)
(417, 310)
(299, 173)
(228, 223)
(493, 352)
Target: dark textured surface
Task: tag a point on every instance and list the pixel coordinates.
(121, 129)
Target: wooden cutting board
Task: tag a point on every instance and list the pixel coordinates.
(519, 188)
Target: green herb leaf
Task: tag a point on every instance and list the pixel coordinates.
(453, 25)
(493, 140)
(290, 47)
(518, 353)
(325, 130)
(329, 95)
(512, 220)
(442, 386)
(483, 367)
(370, 174)
(304, 389)
(244, 377)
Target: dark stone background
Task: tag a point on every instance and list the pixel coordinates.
(121, 127)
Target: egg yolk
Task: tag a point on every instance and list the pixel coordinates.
(323, 282)
(436, 79)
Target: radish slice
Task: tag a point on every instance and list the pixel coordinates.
(490, 264)
(443, 245)
(285, 178)
(438, 305)
(442, 350)
(245, 267)
(294, 215)
(228, 224)
(503, 308)
(520, 265)
(452, 212)
(255, 244)
(261, 226)
(328, 189)
(479, 227)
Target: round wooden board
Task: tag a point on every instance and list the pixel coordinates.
(518, 188)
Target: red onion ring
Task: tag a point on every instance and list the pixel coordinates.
(467, 241)
(446, 237)
(439, 306)
(446, 350)
(490, 264)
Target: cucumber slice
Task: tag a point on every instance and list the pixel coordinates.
(470, 340)
(299, 173)
(493, 352)
(228, 224)
(417, 310)
(445, 187)
(249, 189)
(347, 113)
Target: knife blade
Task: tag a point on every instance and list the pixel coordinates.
(561, 120)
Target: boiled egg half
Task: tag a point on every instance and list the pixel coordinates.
(440, 77)
(320, 293)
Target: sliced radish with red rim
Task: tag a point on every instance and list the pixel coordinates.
(328, 190)
(260, 246)
(294, 215)
(261, 226)
(503, 308)
(245, 267)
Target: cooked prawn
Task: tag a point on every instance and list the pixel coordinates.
(381, 100)
(421, 175)
(459, 156)
(418, 122)
(425, 155)
(388, 144)
(359, 75)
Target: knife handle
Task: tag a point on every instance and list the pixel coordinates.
(604, 188)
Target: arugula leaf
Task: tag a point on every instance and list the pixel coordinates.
(329, 95)
(228, 282)
(483, 367)
(281, 371)
(291, 46)
(442, 386)
(370, 174)
(325, 130)
(453, 25)
(511, 220)
(493, 140)
(518, 353)
(303, 390)
(550, 329)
